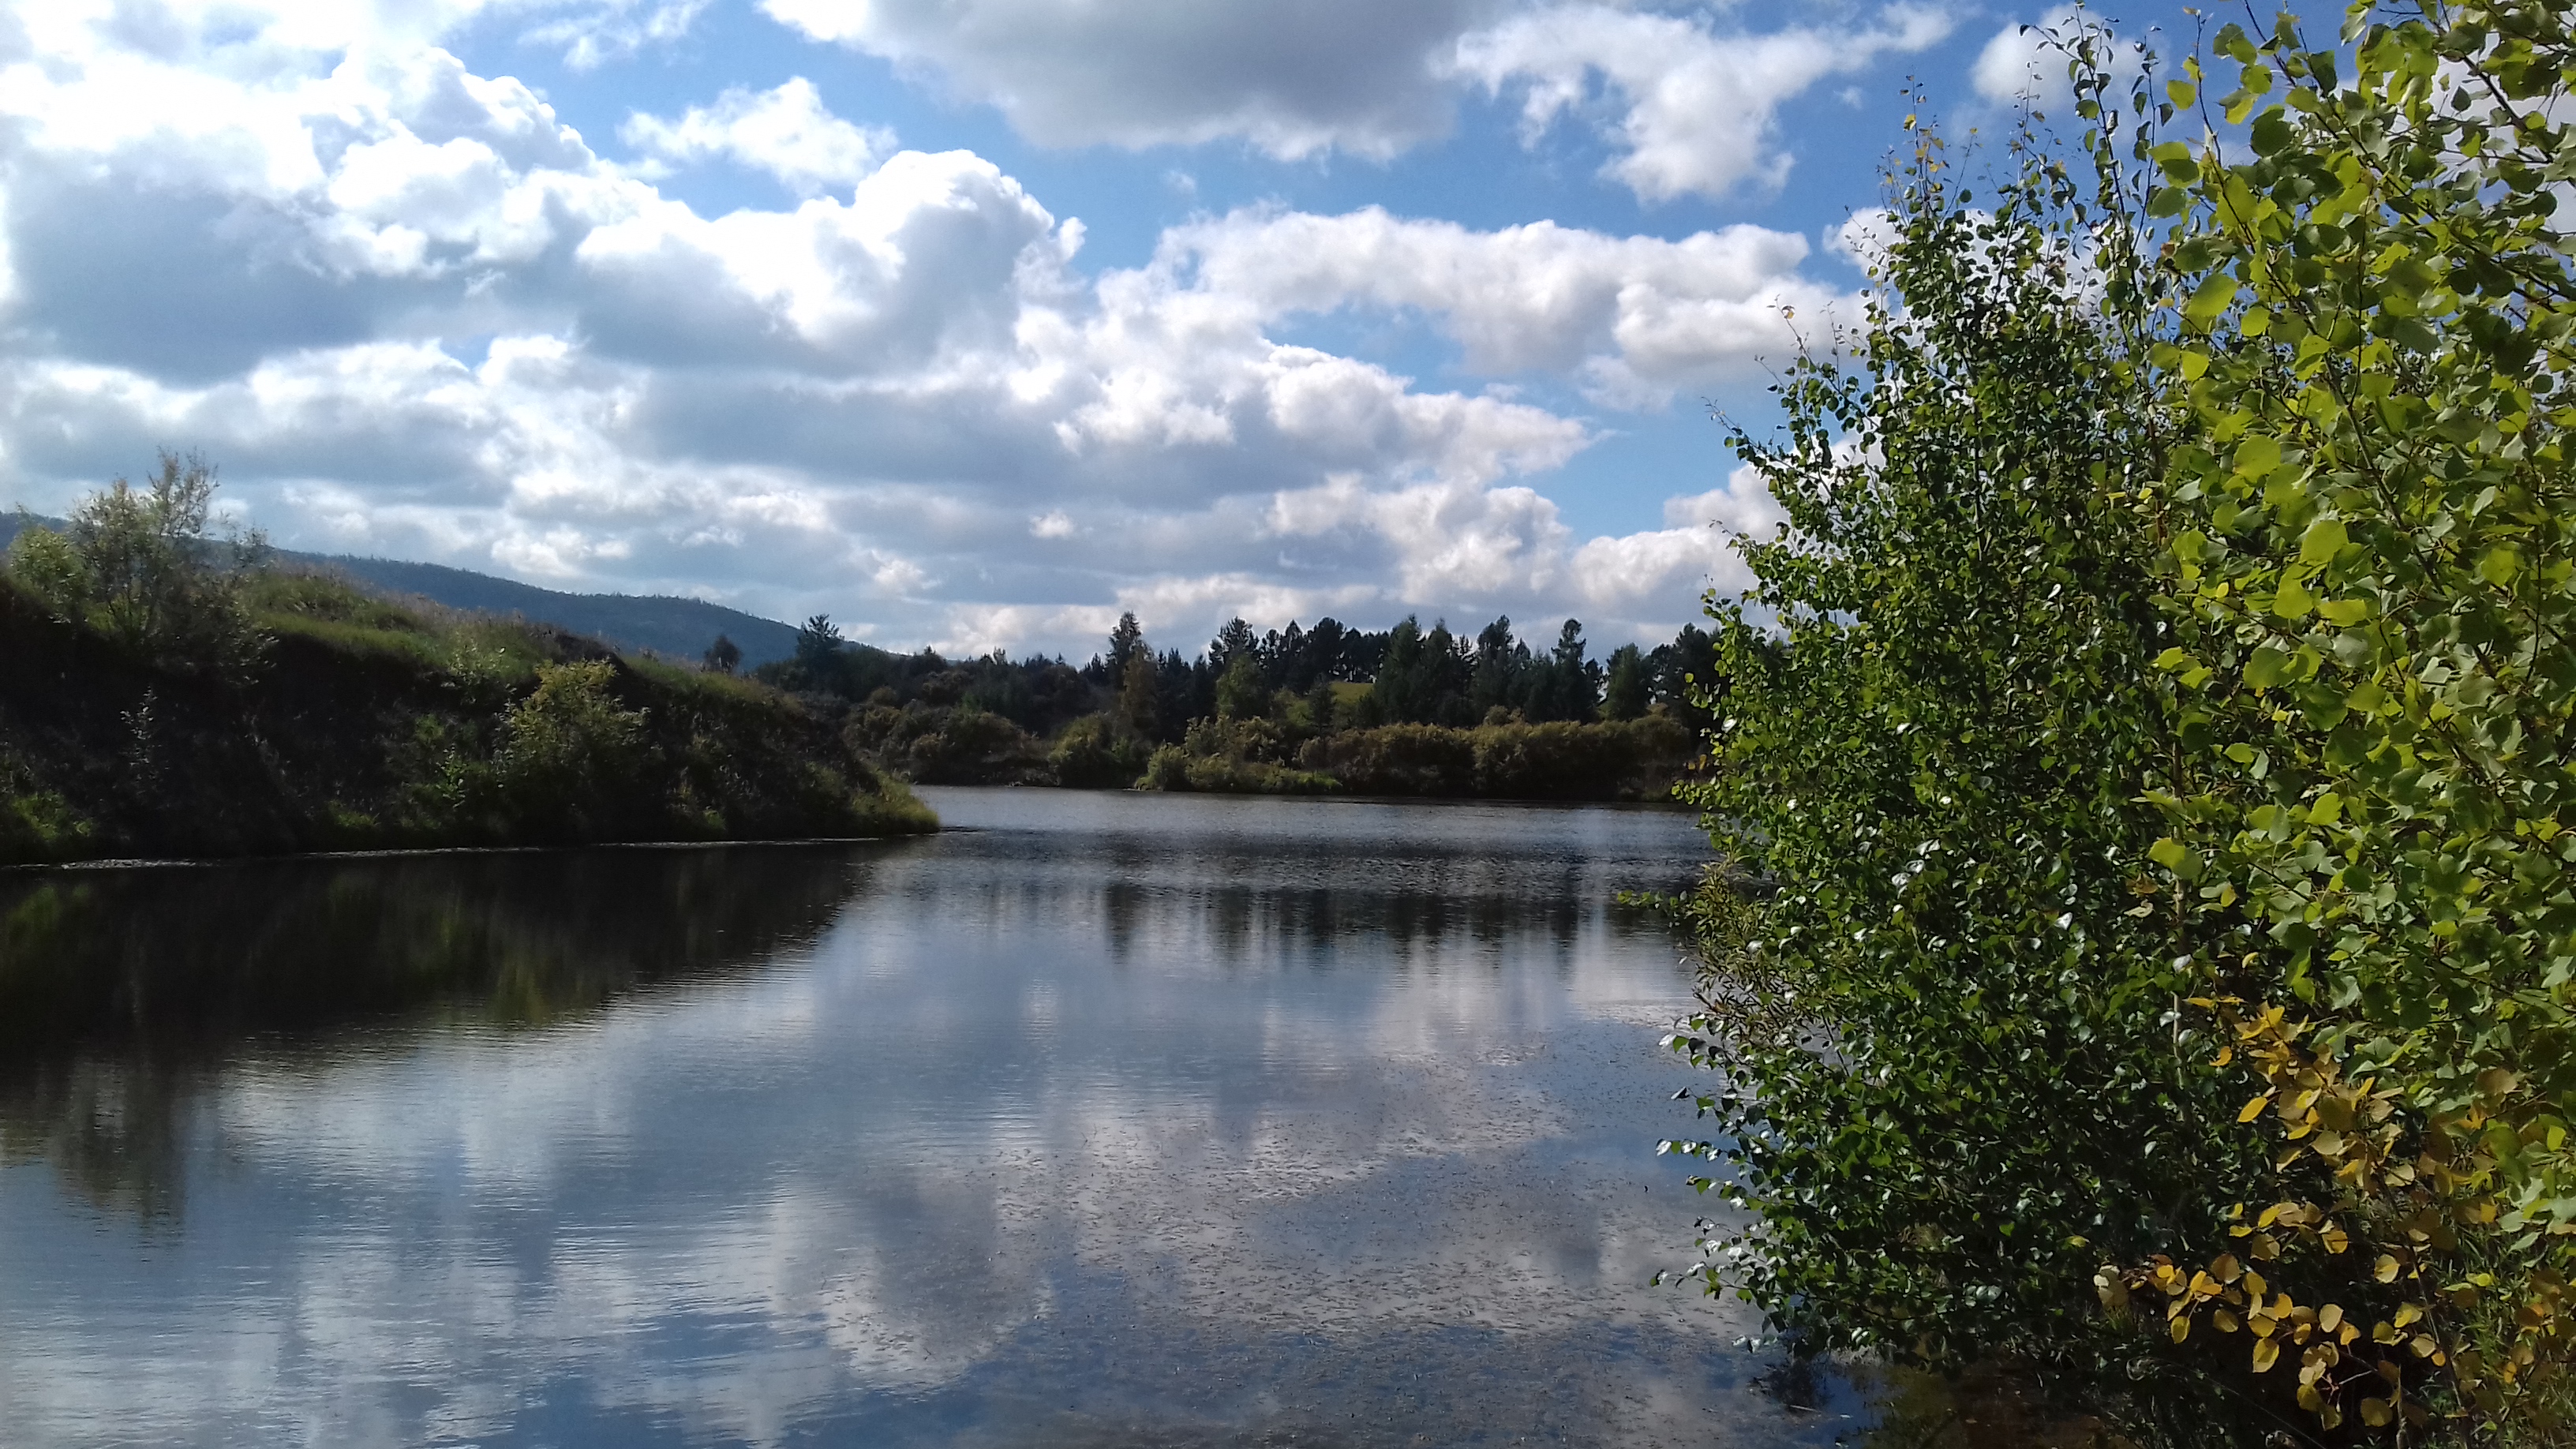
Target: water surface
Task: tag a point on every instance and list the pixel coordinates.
(1107, 1119)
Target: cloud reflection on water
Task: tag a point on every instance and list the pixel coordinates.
(1207, 1125)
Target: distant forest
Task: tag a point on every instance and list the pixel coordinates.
(1286, 709)
(1407, 675)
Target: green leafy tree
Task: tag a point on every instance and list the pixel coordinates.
(1241, 692)
(1500, 663)
(1567, 684)
(1403, 688)
(2371, 530)
(1952, 1082)
(1623, 693)
(1140, 695)
(137, 564)
(2292, 1055)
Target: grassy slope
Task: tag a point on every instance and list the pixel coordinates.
(356, 728)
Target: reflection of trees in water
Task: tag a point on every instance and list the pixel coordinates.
(1291, 905)
(112, 1129)
(119, 990)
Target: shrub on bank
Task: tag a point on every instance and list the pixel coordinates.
(1175, 769)
(1629, 759)
(946, 744)
(1095, 753)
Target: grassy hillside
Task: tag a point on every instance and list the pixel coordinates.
(352, 723)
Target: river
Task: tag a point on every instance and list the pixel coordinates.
(1097, 1119)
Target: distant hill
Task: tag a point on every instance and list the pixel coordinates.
(679, 628)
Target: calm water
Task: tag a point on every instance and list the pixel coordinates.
(1107, 1120)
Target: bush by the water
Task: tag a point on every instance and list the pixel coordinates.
(1626, 759)
(2146, 956)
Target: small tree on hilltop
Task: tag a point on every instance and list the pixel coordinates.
(137, 565)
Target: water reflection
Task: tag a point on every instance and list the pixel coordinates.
(186, 957)
(1112, 1121)
(119, 990)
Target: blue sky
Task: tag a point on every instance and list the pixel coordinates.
(969, 322)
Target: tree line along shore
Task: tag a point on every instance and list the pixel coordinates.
(169, 692)
(1322, 710)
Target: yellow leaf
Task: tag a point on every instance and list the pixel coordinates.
(2266, 1352)
(2374, 1412)
(2386, 1269)
(2329, 1317)
(2311, 1400)
(2225, 1268)
(2422, 1343)
(2223, 1321)
(2180, 1328)
(2408, 1312)
(2254, 1109)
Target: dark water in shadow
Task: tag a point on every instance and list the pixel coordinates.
(1113, 1120)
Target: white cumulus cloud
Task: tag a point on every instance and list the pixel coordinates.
(1695, 97)
(411, 312)
(1699, 105)
(1636, 316)
(2027, 62)
(786, 131)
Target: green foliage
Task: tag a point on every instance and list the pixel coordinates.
(1623, 695)
(2194, 628)
(1168, 768)
(1951, 1083)
(36, 823)
(1635, 760)
(569, 754)
(958, 744)
(1241, 692)
(370, 724)
(2371, 562)
(136, 565)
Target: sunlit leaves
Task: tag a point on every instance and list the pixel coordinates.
(1935, 986)
(2385, 303)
